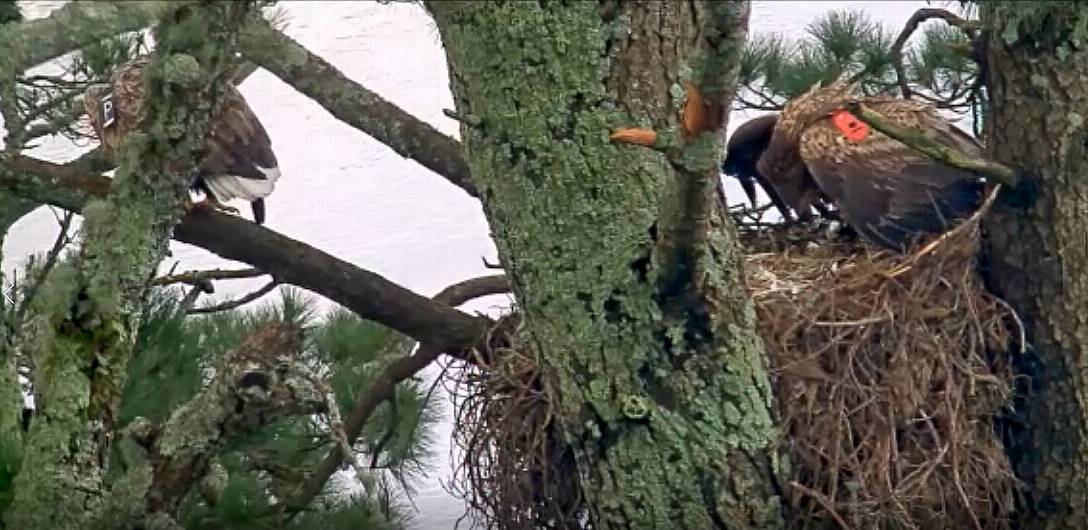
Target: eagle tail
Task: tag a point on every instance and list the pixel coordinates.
(258, 211)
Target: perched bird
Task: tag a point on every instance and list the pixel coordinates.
(888, 192)
(238, 162)
(743, 150)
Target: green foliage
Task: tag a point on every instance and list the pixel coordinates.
(11, 456)
(397, 431)
(95, 63)
(774, 69)
(173, 354)
(9, 12)
(839, 41)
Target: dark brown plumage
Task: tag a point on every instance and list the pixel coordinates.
(239, 161)
(743, 150)
(889, 193)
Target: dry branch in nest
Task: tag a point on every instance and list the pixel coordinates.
(889, 372)
(513, 471)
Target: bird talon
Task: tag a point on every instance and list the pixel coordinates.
(213, 205)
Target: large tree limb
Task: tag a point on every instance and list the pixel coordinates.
(369, 295)
(71, 27)
(354, 104)
(124, 239)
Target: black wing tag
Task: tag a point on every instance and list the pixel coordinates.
(108, 115)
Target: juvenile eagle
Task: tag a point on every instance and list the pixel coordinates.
(889, 193)
(238, 163)
(743, 150)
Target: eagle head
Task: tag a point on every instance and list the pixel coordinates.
(743, 150)
(781, 162)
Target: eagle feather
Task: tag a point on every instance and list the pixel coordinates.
(238, 162)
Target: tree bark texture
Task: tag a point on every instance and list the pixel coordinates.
(85, 323)
(1037, 249)
(664, 399)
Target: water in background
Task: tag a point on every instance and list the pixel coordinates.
(351, 196)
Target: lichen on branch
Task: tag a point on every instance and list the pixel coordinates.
(83, 359)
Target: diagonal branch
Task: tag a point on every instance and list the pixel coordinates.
(367, 294)
(385, 385)
(354, 104)
(918, 141)
(77, 24)
(236, 303)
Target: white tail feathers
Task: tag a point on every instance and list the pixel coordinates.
(227, 187)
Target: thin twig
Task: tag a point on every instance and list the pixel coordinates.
(389, 432)
(970, 27)
(918, 141)
(199, 277)
(823, 502)
(50, 261)
(235, 304)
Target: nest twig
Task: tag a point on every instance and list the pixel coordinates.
(513, 470)
(889, 370)
(889, 373)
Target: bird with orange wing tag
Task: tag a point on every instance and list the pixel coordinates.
(890, 194)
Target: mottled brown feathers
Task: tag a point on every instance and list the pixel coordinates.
(889, 193)
(238, 162)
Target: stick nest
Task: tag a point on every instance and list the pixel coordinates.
(513, 469)
(889, 371)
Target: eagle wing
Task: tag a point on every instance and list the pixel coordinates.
(888, 192)
(238, 144)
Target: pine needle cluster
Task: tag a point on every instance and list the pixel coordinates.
(173, 356)
(936, 61)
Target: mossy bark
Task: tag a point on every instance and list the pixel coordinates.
(1036, 246)
(87, 312)
(664, 400)
(11, 397)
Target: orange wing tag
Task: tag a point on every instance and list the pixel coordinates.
(851, 127)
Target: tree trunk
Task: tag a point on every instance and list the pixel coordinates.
(1036, 245)
(85, 323)
(663, 398)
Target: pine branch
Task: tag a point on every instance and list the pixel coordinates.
(72, 110)
(201, 277)
(255, 384)
(355, 105)
(367, 294)
(918, 141)
(969, 27)
(384, 386)
(236, 303)
(77, 24)
(51, 259)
